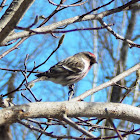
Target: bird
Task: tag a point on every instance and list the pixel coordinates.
(68, 71)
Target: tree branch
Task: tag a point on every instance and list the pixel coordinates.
(72, 109)
(12, 16)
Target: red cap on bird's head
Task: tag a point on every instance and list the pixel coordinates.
(92, 57)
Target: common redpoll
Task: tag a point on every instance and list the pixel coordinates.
(68, 71)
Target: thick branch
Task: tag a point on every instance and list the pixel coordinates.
(12, 16)
(72, 109)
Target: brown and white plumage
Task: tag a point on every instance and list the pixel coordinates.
(69, 70)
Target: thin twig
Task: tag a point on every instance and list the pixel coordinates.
(9, 43)
(26, 124)
(13, 48)
(95, 126)
(77, 127)
(71, 5)
(59, 44)
(24, 74)
(51, 15)
(18, 70)
(97, 8)
(128, 91)
(25, 97)
(32, 94)
(35, 22)
(54, 12)
(116, 84)
(2, 4)
(119, 135)
(25, 63)
(34, 128)
(42, 133)
(30, 26)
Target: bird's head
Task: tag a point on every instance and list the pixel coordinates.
(91, 57)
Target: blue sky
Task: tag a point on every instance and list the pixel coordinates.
(74, 42)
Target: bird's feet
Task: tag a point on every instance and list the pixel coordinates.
(71, 91)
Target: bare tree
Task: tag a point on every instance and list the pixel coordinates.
(31, 34)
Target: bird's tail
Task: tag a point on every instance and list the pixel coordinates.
(31, 84)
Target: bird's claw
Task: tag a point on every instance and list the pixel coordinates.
(71, 91)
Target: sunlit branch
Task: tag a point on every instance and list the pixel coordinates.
(64, 31)
(72, 109)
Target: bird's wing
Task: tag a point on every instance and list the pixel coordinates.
(71, 64)
(67, 66)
